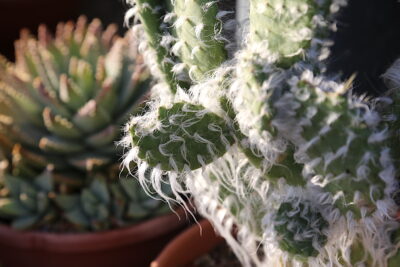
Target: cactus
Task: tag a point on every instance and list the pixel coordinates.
(62, 105)
(308, 175)
(300, 229)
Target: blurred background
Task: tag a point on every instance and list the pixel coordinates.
(367, 42)
(18, 14)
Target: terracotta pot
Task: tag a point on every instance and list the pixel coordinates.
(17, 14)
(132, 246)
(190, 245)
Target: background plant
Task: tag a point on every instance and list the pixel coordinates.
(62, 105)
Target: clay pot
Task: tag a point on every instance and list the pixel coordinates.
(188, 246)
(132, 246)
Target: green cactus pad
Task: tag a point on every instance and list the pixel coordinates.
(151, 13)
(285, 24)
(344, 148)
(188, 136)
(196, 28)
(300, 229)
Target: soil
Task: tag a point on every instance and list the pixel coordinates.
(221, 256)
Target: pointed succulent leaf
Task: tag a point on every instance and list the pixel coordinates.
(24, 156)
(137, 211)
(27, 198)
(88, 197)
(130, 187)
(133, 87)
(99, 188)
(78, 217)
(13, 184)
(103, 137)
(26, 134)
(68, 202)
(50, 99)
(106, 97)
(22, 99)
(11, 208)
(82, 73)
(70, 93)
(114, 60)
(42, 202)
(90, 162)
(91, 117)
(57, 145)
(44, 181)
(25, 222)
(59, 125)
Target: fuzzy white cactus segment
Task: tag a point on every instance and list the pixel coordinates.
(290, 168)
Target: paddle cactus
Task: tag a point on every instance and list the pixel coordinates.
(290, 167)
(62, 105)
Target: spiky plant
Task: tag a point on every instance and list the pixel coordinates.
(62, 105)
(271, 148)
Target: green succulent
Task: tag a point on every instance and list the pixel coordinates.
(62, 105)
(100, 205)
(132, 204)
(27, 203)
(90, 209)
(65, 99)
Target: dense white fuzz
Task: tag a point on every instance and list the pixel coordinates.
(392, 76)
(342, 144)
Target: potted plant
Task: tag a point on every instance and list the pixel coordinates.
(198, 245)
(61, 107)
(265, 141)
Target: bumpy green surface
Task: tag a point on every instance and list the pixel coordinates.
(193, 33)
(197, 29)
(188, 135)
(151, 13)
(325, 142)
(349, 130)
(299, 228)
(286, 26)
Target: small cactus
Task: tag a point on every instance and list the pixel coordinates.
(308, 175)
(300, 229)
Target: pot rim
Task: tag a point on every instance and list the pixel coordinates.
(86, 242)
(189, 245)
